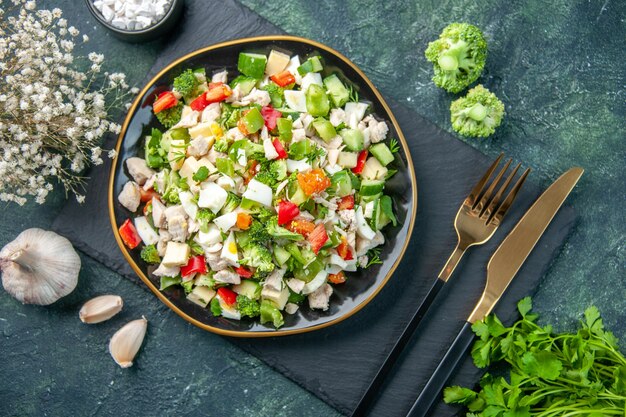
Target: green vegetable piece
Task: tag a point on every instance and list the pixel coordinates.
(225, 166)
(169, 117)
(180, 133)
(382, 153)
(253, 120)
(271, 314)
(353, 138)
(167, 282)
(341, 184)
(308, 272)
(258, 233)
(281, 255)
(187, 286)
(186, 84)
(278, 169)
(258, 256)
(150, 254)
(478, 114)
(248, 307)
(371, 187)
(458, 56)
(201, 174)
(299, 150)
(276, 94)
(324, 129)
(246, 84)
(386, 204)
(278, 232)
(285, 128)
(313, 64)
(295, 297)
(232, 202)
(248, 288)
(317, 103)
(338, 92)
(216, 309)
(252, 65)
(458, 395)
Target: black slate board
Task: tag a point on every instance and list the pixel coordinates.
(337, 363)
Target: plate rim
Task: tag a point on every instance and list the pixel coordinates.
(277, 332)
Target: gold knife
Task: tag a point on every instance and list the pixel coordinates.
(501, 269)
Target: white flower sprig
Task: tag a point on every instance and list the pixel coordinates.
(52, 115)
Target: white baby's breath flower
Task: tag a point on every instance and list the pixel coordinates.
(52, 121)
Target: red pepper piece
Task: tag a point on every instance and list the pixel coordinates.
(244, 272)
(227, 295)
(338, 278)
(283, 79)
(318, 237)
(269, 116)
(343, 250)
(346, 203)
(282, 153)
(196, 264)
(146, 195)
(165, 101)
(217, 93)
(129, 234)
(360, 162)
(287, 211)
(200, 103)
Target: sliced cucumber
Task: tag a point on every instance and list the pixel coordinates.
(347, 159)
(249, 288)
(313, 64)
(281, 254)
(371, 187)
(325, 129)
(353, 138)
(341, 183)
(336, 90)
(368, 198)
(252, 65)
(246, 84)
(382, 153)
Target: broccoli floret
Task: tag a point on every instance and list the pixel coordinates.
(477, 114)
(232, 202)
(270, 313)
(276, 94)
(279, 169)
(172, 188)
(186, 84)
(258, 233)
(280, 232)
(150, 254)
(187, 286)
(216, 309)
(262, 213)
(248, 307)
(458, 56)
(258, 256)
(221, 145)
(169, 117)
(266, 177)
(204, 217)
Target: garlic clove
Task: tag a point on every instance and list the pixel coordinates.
(126, 342)
(39, 267)
(100, 308)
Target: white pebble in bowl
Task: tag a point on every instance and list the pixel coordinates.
(132, 14)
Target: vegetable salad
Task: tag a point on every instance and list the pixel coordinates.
(260, 192)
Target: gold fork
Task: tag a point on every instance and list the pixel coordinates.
(476, 221)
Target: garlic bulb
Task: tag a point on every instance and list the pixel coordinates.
(100, 308)
(126, 342)
(39, 267)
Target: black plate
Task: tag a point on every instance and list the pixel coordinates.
(361, 286)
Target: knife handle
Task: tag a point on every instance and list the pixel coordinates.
(372, 390)
(431, 392)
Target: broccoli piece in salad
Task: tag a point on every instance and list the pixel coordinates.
(258, 256)
(221, 145)
(458, 56)
(477, 114)
(274, 230)
(216, 309)
(169, 117)
(232, 202)
(258, 233)
(186, 84)
(150, 254)
(248, 307)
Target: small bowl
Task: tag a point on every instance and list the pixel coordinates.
(162, 27)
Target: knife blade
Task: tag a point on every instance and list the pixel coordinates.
(501, 269)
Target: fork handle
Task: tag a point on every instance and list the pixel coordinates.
(372, 391)
(453, 260)
(432, 390)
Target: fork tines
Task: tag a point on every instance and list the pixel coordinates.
(490, 208)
